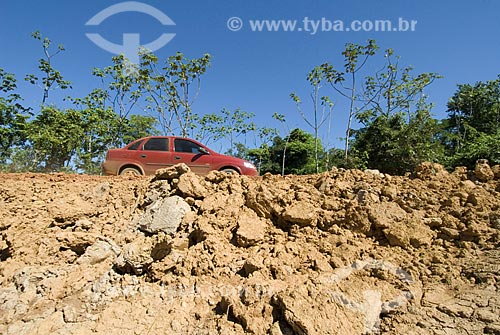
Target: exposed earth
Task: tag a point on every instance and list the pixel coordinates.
(343, 252)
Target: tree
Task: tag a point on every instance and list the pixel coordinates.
(281, 118)
(52, 78)
(355, 57)
(472, 128)
(226, 125)
(482, 146)
(395, 145)
(300, 154)
(173, 89)
(121, 91)
(315, 78)
(103, 128)
(55, 137)
(13, 116)
(398, 132)
(393, 90)
(261, 154)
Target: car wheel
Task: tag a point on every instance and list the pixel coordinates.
(229, 171)
(130, 172)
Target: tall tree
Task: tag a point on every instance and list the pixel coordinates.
(315, 78)
(472, 129)
(476, 106)
(103, 128)
(346, 83)
(52, 78)
(55, 137)
(13, 116)
(399, 131)
(173, 88)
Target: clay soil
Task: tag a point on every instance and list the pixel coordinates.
(343, 252)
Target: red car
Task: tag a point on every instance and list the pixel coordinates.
(146, 155)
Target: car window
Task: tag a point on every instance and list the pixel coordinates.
(134, 146)
(157, 144)
(186, 146)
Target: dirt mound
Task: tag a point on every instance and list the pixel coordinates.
(344, 252)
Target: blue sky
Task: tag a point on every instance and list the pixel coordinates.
(257, 71)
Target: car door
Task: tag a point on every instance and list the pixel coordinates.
(190, 153)
(155, 154)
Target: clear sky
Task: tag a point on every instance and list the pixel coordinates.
(257, 71)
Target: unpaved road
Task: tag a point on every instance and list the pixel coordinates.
(344, 252)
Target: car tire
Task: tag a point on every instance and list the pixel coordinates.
(229, 171)
(130, 172)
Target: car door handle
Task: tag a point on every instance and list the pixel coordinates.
(177, 157)
(144, 156)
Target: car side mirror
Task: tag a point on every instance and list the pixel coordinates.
(204, 151)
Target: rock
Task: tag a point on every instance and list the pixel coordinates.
(433, 222)
(365, 197)
(390, 192)
(262, 201)
(374, 172)
(486, 316)
(467, 185)
(357, 220)
(309, 312)
(172, 172)
(157, 190)
(164, 215)
(253, 264)
(492, 329)
(102, 249)
(101, 190)
(482, 171)
(135, 257)
(409, 234)
(383, 215)
(162, 245)
(450, 233)
(84, 224)
(472, 198)
(456, 309)
(496, 171)
(189, 185)
(428, 170)
(75, 241)
(301, 213)
(251, 230)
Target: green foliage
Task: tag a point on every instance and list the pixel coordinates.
(225, 125)
(52, 78)
(170, 89)
(55, 137)
(355, 57)
(395, 146)
(481, 146)
(471, 131)
(315, 78)
(398, 132)
(299, 154)
(472, 109)
(12, 116)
